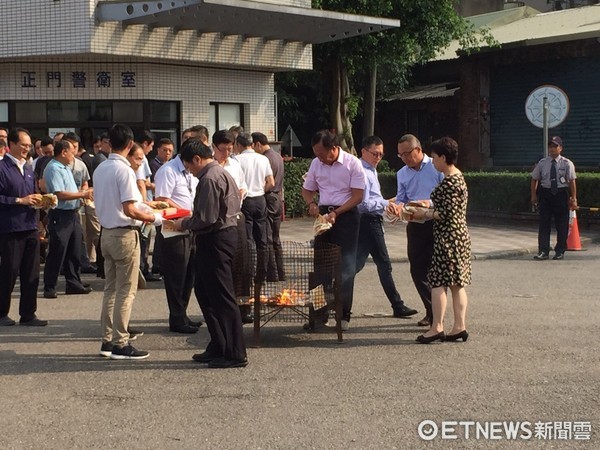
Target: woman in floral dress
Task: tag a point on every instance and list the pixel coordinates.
(451, 262)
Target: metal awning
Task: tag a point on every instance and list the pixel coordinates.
(243, 17)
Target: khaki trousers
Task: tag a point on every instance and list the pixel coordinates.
(91, 230)
(121, 250)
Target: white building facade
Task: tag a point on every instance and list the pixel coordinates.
(156, 65)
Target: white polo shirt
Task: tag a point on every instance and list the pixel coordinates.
(174, 182)
(114, 184)
(234, 168)
(256, 168)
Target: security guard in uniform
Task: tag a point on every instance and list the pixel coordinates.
(554, 192)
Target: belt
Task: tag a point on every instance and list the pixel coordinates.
(127, 227)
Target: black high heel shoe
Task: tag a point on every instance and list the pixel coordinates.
(464, 335)
(428, 340)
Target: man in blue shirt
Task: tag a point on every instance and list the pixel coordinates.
(64, 226)
(19, 237)
(370, 237)
(416, 180)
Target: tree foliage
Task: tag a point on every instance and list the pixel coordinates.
(345, 67)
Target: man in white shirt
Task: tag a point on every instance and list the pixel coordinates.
(116, 195)
(259, 178)
(176, 186)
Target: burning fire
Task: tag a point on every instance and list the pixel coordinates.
(287, 297)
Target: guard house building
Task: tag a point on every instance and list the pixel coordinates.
(163, 65)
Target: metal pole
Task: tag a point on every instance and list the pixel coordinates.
(276, 117)
(545, 109)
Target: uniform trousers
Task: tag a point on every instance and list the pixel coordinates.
(20, 257)
(553, 206)
(420, 251)
(177, 266)
(215, 293)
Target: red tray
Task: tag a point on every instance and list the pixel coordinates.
(177, 214)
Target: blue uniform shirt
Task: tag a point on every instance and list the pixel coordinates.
(59, 178)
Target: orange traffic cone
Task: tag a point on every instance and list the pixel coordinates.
(573, 241)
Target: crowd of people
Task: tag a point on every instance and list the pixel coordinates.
(231, 185)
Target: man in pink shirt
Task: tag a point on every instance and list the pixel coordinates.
(339, 179)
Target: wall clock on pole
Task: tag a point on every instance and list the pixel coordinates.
(557, 101)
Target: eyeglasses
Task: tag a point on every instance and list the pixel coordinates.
(376, 154)
(405, 154)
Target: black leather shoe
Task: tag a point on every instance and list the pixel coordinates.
(50, 293)
(464, 335)
(428, 340)
(542, 256)
(404, 311)
(89, 269)
(35, 322)
(247, 318)
(193, 323)
(73, 291)
(222, 363)
(6, 321)
(184, 329)
(558, 256)
(152, 277)
(205, 358)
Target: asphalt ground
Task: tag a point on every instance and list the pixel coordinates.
(532, 356)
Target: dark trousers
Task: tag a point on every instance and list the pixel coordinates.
(64, 249)
(99, 257)
(241, 261)
(215, 293)
(177, 268)
(420, 252)
(255, 213)
(371, 241)
(344, 233)
(156, 251)
(553, 207)
(275, 269)
(20, 256)
(145, 252)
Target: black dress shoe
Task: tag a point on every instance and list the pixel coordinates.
(193, 323)
(404, 311)
(558, 256)
(247, 318)
(542, 256)
(185, 329)
(50, 293)
(89, 269)
(464, 335)
(428, 340)
(152, 277)
(205, 358)
(6, 321)
(222, 363)
(35, 322)
(74, 291)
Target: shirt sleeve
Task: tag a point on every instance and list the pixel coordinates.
(310, 183)
(206, 207)
(401, 190)
(165, 182)
(54, 182)
(536, 171)
(357, 174)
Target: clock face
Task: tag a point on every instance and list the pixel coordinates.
(558, 106)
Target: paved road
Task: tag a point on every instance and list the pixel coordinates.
(532, 355)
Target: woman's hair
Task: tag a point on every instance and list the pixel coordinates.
(446, 147)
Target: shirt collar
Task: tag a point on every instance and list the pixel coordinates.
(18, 162)
(366, 165)
(116, 156)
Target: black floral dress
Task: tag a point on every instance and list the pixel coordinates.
(451, 262)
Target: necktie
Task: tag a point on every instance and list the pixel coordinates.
(553, 180)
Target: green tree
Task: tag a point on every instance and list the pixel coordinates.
(353, 70)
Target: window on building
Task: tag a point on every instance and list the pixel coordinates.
(3, 111)
(30, 112)
(225, 115)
